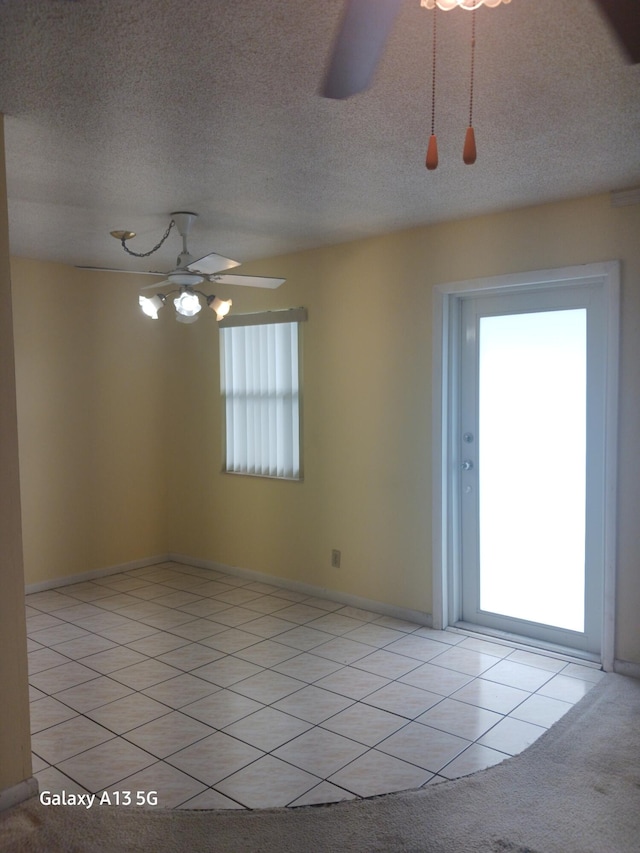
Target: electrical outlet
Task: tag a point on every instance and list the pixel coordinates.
(335, 558)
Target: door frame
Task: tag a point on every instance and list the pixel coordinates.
(447, 299)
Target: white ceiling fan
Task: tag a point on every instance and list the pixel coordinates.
(189, 274)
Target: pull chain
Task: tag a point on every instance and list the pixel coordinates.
(469, 151)
(151, 251)
(432, 148)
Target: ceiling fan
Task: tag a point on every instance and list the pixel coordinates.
(367, 24)
(190, 273)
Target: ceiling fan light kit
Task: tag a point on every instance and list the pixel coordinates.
(152, 304)
(447, 5)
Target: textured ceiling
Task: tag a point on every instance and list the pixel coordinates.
(121, 111)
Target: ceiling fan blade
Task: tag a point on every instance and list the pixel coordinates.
(113, 269)
(249, 280)
(363, 33)
(211, 263)
(156, 284)
(624, 18)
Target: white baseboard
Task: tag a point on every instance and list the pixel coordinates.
(24, 790)
(384, 609)
(96, 573)
(627, 667)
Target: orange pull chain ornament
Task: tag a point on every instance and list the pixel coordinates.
(432, 148)
(469, 152)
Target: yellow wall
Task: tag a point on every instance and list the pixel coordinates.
(367, 410)
(92, 415)
(367, 406)
(15, 744)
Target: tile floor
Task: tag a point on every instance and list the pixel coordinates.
(219, 692)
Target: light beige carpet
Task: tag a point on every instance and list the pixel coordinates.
(576, 790)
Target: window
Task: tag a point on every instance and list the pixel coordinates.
(259, 381)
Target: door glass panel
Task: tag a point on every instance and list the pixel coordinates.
(531, 466)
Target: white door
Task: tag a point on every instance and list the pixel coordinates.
(528, 417)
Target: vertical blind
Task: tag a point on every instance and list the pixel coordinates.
(259, 376)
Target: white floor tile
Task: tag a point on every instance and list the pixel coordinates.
(396, 624)
(60, 677)
(518, 675)
(587, 673)
(563, 687)
(307, 667)
(214, 758)
(106, 765)
(474, 758)
(541, 661)
(511, 735)
(342, 650)
(197, 629)
(464, 660)
(459, 718)
(191, 656)
(267, 653)
(267, 626)
(230, 641)
(38, 623)
(378, 773)
(52, 781)
(84, 646)
(313, 704)
(158, 643)
(162, 786)
(168, 734)
(353, 683)
(58, 634)
(491, 695)
(112, 659)
(449, 637)
(181, 690)
(403, 699)
(364, 724)
(145, 674)
(125, 714)
(48, 712)
(267, 686)
(267, 728)
(44, 659)
(374, 635)
(541, 710)
(320, 752)
(68, 738)
(336, 623)
(436, 679)
(227, 671)
(387, 663)
(92, 694)
(421, 648)
(304, 637)
(324, 792)
(486, 647)
(267, 782)
(211, 799)
(423, 746)
(222, 708)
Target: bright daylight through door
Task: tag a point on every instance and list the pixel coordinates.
(531, 465)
